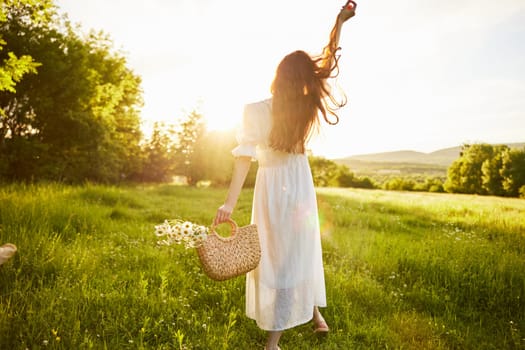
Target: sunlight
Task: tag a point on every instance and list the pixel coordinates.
(222, 114)
(219, 91)
(224, 54)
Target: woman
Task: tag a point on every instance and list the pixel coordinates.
(288, 286)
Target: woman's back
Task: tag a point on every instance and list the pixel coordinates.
(257, 130)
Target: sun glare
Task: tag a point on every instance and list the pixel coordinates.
(221, 114)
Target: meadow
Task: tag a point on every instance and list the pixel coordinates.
(404, 270)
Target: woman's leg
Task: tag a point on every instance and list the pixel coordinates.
(320, 324)
(273, 340)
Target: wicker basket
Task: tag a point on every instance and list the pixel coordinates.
(223, 258)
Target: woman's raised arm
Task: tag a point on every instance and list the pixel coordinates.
(328, 59)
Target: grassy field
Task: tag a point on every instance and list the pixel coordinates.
(403, 271)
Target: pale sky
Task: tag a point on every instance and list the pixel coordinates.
(419, 74)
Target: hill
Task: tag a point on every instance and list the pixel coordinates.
(407, 161)
(440, 157)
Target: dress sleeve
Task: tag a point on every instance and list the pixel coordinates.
(248, 135)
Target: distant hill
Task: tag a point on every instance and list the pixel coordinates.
(407, 161)
(441, 157)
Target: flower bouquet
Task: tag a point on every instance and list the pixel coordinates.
(222, 258)
(181, 232)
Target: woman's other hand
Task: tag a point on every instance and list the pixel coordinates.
(223, 214)
(348, 11)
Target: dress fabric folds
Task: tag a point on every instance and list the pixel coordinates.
(289, 281)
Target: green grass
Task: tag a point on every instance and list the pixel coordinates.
(403, 271)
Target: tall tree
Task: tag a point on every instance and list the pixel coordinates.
(190, 148)
(159, 155)
(14, 68)
(465, 173)
(491, 178)
(487, 169)
(78, 117)
(513, 171)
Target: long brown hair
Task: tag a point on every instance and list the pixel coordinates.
(300, 91)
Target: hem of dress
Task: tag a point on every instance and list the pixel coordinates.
(295, 324)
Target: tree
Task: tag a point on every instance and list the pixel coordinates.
(364, 182)
(487, 169)
(432, 184)
(453, 181)
(491, 178)
(11, 72)
(159, 155)
(324, 171)
(344, 177)
(399, 184)
(190, 148)
(513, 171)
(14, 68)
(465, 173)
(78, 117)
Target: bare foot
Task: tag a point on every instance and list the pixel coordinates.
(320, 325)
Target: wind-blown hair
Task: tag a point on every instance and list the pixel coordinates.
(300, 91)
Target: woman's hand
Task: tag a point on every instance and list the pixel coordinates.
(347, 12)
(223, 214)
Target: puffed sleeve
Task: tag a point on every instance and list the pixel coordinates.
(248, 135)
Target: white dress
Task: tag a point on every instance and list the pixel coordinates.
(289, 281)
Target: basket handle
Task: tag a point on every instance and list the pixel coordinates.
(232, 223)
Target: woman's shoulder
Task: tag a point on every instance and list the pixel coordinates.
(257, 116)
(259, 110)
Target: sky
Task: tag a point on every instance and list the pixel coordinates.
(418, 74)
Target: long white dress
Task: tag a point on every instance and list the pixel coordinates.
(289, 281)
